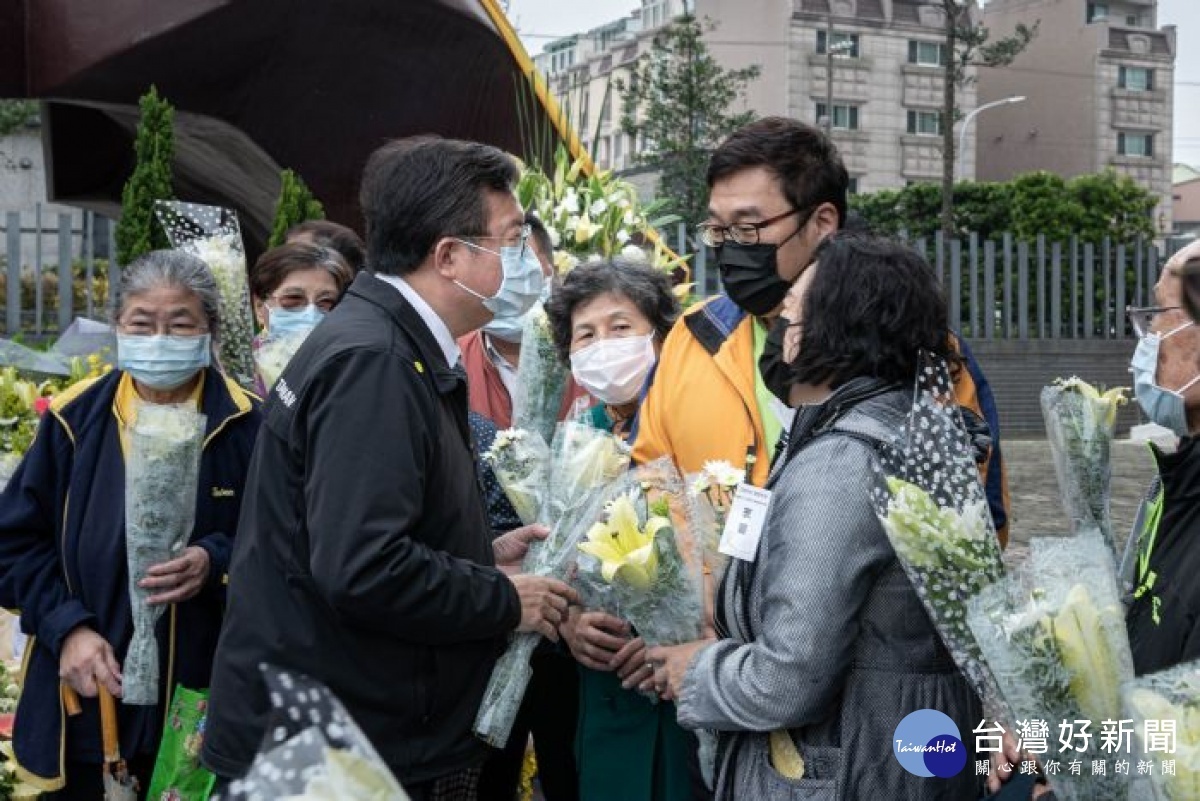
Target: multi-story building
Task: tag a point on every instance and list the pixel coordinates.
(888, 71)
(1098, 82)
(586, 70)
(886, 58)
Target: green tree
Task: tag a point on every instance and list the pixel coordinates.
(15, 113)
(679, 100)
(296, 205)
(154, 148)
(968, 44)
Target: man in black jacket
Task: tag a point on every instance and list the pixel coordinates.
(1164, 614)
(364, 557)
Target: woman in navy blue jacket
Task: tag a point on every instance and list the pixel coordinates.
(62, 532)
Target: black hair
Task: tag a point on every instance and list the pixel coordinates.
(417, 190)
(873, 307)
(805, 160)
(649, 289)
(540, 236)
(336, 236)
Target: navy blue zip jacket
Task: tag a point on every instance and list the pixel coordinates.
(63, 565)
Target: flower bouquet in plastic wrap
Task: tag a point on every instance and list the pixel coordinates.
(520, 461)
(643, 549)
(313, 751)
(272, 353)
(1165, 708)
(1054, 635)
(713, 488)
(162, 470)
(212, 233)
(936, 516)
(583, 461)
(1080, 425)
(541, 377)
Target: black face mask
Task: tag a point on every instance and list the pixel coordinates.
(777, 374)
(750, 276)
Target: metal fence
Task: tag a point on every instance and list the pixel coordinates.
(1007, 288)
(55, 267)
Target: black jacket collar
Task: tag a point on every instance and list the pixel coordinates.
(371, 289)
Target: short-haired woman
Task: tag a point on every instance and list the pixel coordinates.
(62, 531)
(609, 320)
(825, 645)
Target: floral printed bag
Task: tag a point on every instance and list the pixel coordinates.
(178, 775)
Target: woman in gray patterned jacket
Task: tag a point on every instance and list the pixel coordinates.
(824, 645)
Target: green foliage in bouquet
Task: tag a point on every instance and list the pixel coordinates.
(296, 204)
(137, 233)
(596, 216)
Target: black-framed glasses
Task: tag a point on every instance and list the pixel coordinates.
(745, 233)
(1142, 317)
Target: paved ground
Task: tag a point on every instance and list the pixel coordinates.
(1036, 504)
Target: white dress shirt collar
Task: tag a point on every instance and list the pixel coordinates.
(437, 326)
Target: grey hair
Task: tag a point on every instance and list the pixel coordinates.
(649, 290)
(171, 268)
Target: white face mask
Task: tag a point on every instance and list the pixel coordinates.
(614, 370)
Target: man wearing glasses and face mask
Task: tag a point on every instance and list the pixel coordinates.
(365, 559)
(1162, 558)
(776, 189)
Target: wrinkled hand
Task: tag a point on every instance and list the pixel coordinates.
(670, 666)
(510, 549)
(179, 579)
(632, 667)
(86, 659)
(544, 603)
(595, 638)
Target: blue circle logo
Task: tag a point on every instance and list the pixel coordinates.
(927, 743)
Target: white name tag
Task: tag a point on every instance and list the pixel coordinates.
(744, 525)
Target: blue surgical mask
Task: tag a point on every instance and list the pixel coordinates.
(521, 286)
(163, 362)
(1163, 406)
(281, 322)
(511, 329)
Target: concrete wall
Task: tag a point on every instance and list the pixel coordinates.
(753, 33)
(23, 189)
(1018, 369)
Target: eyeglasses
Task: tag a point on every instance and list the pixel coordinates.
(1142, 319)
(294, 301)
(744, 233)
(505, 241)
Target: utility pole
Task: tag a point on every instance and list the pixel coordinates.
(829, 71)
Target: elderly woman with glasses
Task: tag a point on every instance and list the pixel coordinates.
(1162, 558)
(62, 532)
(294, 286)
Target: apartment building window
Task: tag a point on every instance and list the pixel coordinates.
(654, 14)
(845, 118)
(845, 45)
(619, 150)
(852, 187)
(1133, 20)
(1135, 144)
(1097, 12)
(925, 123)
(927, 54)
(1135, 79)
(606, 109)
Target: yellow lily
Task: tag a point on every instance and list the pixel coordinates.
(1109, 401)
(626, 551)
